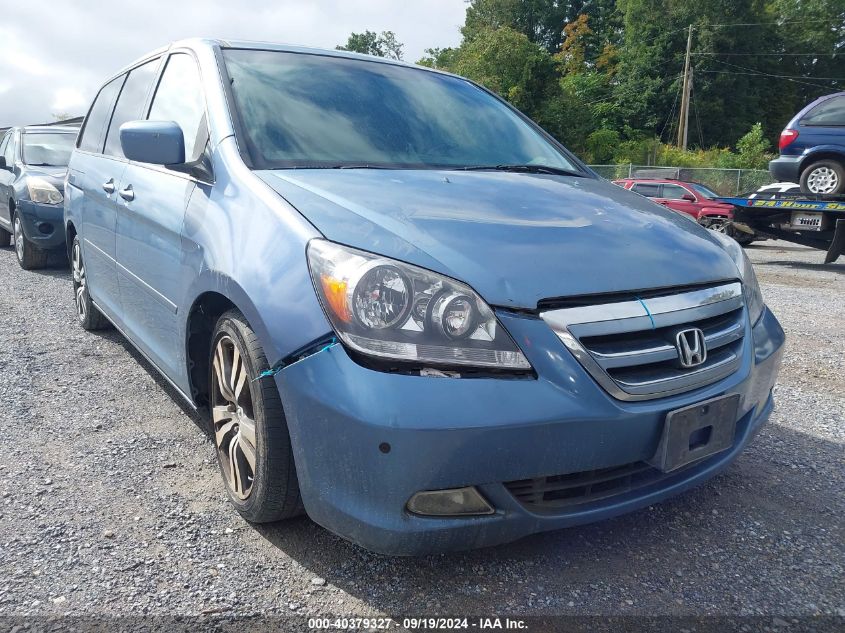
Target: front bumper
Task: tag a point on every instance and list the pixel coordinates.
(42, 224)
(786, 168)
(449, 433)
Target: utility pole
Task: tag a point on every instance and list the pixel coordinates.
(683, 123)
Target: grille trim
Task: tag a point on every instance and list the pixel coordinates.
(559, 492)
(597, 335)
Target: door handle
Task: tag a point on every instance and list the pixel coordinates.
(127, 194)
(108, 186)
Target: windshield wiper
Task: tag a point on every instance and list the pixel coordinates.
(361, 166)
(43, 165)
(339, 166)
(528, 169)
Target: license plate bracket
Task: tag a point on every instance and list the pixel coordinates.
(807, 220)
(696, 431)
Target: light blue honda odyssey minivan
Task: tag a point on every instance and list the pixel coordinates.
(404, 308)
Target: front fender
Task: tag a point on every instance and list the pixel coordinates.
(243, 241)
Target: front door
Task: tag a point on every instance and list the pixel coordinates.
(152, 206)
(672, 196)
(154, 198)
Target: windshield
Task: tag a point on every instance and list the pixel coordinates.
(48, 149)
(306, 110)
(704, 191)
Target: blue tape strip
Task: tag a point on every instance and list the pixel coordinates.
(648, 312)
(268, 373)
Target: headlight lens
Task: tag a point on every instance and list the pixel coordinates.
(750, 286)
(389, 309)
(43, 192)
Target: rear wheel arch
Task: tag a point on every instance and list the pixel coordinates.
(818, 156)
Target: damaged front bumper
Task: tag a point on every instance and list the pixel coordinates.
(42, 224)
(366, 441)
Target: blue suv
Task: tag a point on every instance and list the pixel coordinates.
(404, 308)
(812, 147)
(33, 163)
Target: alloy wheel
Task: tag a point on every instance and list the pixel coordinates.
(822, 180)
(19, 238)
(79, 282)
(233, 417)
(720, 226)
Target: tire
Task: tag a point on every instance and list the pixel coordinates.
(5, 238)
(30, 257)
(90, 318)
(249, 426)
(824, 176)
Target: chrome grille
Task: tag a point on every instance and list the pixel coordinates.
(629, 346)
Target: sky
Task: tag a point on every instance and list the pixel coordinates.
(54, 55)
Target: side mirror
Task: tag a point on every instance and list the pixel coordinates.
(155, 142)
(688, 197)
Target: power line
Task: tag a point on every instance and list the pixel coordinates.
(698, 120)
(773, 54)
(672, 112)
(761, 73)
(631, 90)
(777, 22)
(732, 72)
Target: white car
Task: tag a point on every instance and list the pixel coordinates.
(777, 187)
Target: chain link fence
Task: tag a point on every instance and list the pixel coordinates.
(726, 182)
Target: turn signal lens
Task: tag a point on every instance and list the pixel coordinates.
(334, 290)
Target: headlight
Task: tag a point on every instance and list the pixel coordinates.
(750, 286)
(385, 308)
(43, 192)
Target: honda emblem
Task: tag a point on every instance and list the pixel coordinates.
(691, 347)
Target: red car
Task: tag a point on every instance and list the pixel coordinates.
(692, 198)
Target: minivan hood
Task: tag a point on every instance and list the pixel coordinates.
(515, 238)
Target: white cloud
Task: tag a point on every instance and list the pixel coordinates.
(68, 99)
(56, 55)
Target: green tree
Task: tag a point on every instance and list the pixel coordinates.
(508, 63)
(384, 44)
(540, 21)
(752, 149)
(602, 145)
(727, 99)
(442, 58)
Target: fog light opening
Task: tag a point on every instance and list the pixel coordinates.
(453, 502)
(45, 228)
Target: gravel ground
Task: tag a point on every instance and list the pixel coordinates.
(111, 503)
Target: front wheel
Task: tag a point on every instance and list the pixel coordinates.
(5, 238)
(30, 256)
(823, 177)
(250, 430)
